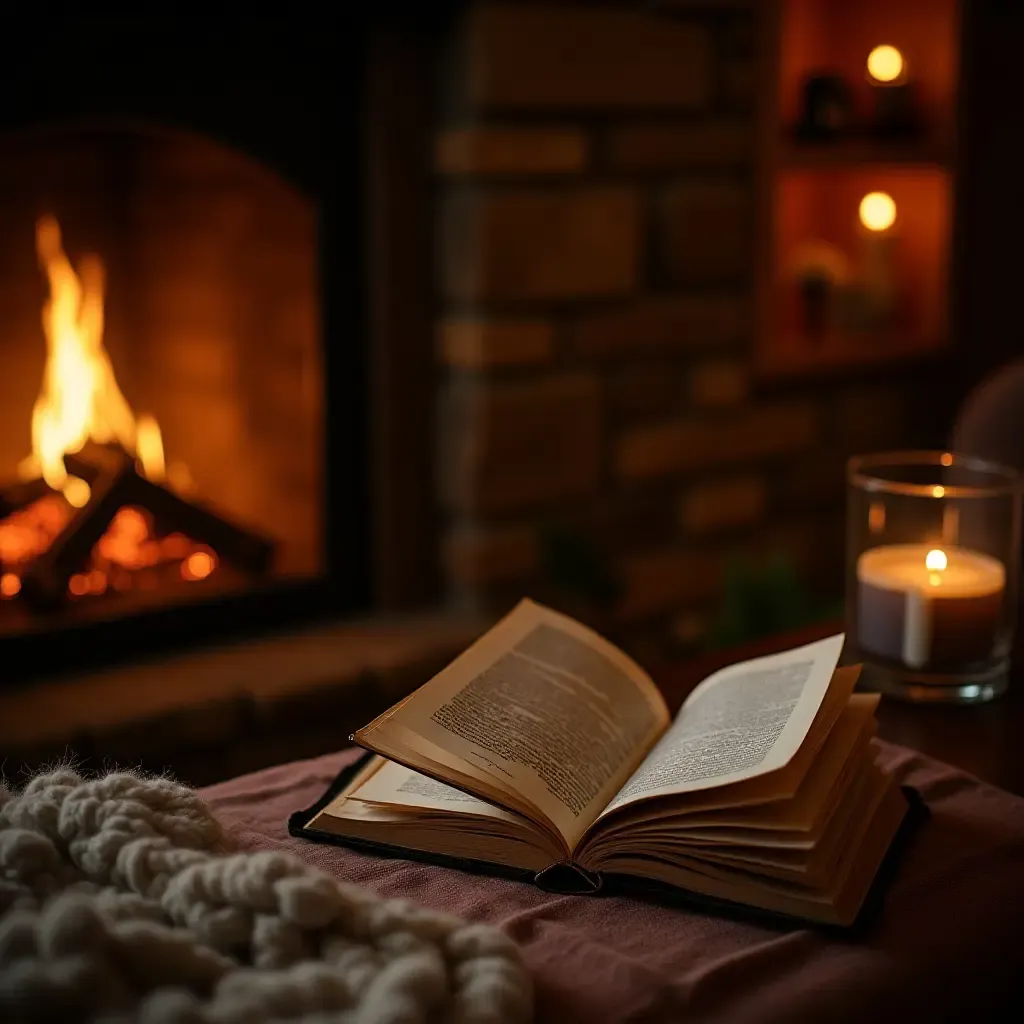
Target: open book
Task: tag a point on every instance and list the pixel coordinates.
(544, 749)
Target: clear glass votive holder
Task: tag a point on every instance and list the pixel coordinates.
(932, 573)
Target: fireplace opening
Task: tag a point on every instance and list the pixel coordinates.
(186, 395)
(162, 429)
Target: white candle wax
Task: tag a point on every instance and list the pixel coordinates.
(905, 589)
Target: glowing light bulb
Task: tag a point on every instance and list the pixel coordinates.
(885, 63)
(935, 560)
(877, 211)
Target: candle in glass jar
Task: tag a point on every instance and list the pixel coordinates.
(923, 605)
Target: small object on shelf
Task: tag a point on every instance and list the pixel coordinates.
(826, 108)
(876, 289)
(821, 272)
(894, 107)
(931, 605)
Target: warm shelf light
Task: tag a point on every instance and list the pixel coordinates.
(877, 211)
(885, 63)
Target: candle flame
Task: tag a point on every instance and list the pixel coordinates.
(877, 211)
(885, 63)
(935, 560)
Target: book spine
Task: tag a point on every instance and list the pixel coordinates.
(568, 879)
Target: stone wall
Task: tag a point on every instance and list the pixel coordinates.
(597, 169)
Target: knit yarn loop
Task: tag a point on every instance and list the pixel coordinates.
(120, 900)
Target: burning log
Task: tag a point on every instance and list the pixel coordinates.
(45, 583)
(239, 545)
(115, 483)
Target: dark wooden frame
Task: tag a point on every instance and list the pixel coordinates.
(400, 259)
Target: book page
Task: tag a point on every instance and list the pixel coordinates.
(540, 706)
(742, 722)
(389, 804)
(396, 786)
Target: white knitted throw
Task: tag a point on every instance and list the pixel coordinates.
(120, 901)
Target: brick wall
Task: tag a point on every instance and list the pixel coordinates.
(596, 169)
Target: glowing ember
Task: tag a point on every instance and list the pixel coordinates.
(198, 565)
(129, 556)
(27, 533)
(80, 399)
(175, 546)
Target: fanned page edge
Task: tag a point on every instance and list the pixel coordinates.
(482, 779)
(825, 656)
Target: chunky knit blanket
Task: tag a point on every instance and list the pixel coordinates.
(120, 900)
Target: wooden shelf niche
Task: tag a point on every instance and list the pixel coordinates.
(891, 300)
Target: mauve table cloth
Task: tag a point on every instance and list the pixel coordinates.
(948, 945)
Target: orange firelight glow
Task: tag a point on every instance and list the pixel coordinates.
(80, 399)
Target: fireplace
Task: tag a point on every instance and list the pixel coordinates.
(185, 424)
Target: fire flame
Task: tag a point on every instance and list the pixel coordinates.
(80, 399)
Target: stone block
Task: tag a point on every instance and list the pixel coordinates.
(584, 57)
(622, 521)
(671, 323)
(540, 244)
(519, 445)
(707, 232)
(661, 581)
(756, 433)
(647, 390)
(723, 504)
(478, 556)
(474, 343)
(497, 152)
(700, 146)
(719, 383)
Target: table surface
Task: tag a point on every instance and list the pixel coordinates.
(986, 740)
